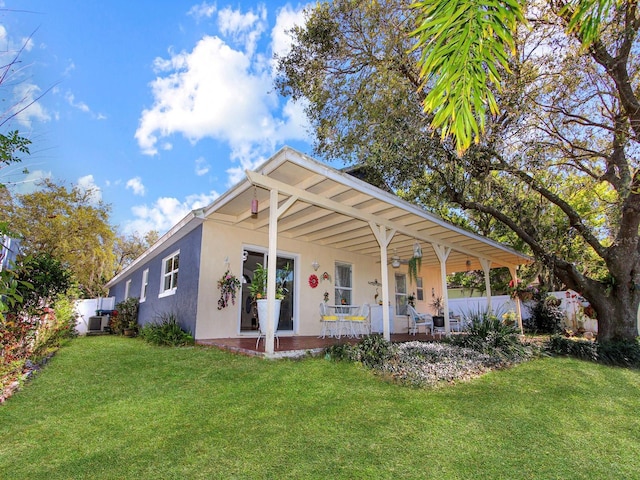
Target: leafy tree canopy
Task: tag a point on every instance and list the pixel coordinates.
(552, 164)
(69, 225)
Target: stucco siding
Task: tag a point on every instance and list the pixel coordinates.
(183, 303)
(221, 242)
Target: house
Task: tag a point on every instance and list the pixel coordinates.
(340, 237)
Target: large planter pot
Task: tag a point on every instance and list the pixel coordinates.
(263, 312)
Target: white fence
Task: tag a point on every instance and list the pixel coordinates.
(87, 308)
(571, 303)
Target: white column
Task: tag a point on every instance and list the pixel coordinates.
(514, 275)
(272, 260)
(384, 236)
(486, 268)
(443, 253)
(271, 272)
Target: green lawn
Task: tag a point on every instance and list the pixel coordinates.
(108, 407)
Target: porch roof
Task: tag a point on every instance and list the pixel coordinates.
(331, 208)
(334, 209)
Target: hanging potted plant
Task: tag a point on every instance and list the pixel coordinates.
(414, 268)
(229, 285)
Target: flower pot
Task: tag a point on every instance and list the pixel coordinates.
(263, 312)
(129, 332)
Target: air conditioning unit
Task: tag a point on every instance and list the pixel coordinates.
(98, 324)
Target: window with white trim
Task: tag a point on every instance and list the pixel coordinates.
(127, 289)
(419, 289)
(401, 294)
(169, 282)
(343, 284)
(145, 285)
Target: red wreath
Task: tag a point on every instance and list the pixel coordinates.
(313, 281)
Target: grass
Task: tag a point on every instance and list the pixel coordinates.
(113, 408)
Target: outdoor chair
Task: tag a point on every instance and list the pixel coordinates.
(438, 324)
(419, 320)
(329, 322)
(360, 321)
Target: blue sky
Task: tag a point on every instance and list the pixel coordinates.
(159, 106)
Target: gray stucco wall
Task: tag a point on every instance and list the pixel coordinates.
(185, 300)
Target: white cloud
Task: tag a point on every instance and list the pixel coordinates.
(27, 95)
(87, 184)
(243, 28)
(70, 98)
(136, 185)
(204, 10)
(202, 167)
(286, 19)
(83, 107)
(222, 92)
(165, 212)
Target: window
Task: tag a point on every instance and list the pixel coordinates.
(344, 284)
(169, 274)
(145, 284)
(419, 289)
(401, 294)
(127, 289)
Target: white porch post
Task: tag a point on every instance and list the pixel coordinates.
(486, 268)
(443, 253)
(514, 276)
(271, 271)
(272, 261)
(384, 236)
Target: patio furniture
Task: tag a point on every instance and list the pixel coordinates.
(329, 322)
(419, 320)
(438, 324)
(360, 321)
(455, 322)
(344, 325)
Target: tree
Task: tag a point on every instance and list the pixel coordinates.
(46, 278)
(555, 172)
(129, 247)
(69, 225)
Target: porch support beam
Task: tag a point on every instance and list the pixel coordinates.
(275, 212)
(384, 236)
(514, 276)
(443, 253)
(486, 268)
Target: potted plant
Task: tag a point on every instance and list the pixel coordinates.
(229, 285)
(438, 305)
(258, 291)
(126, 322)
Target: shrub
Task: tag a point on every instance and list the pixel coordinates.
(127, 316)
(486, 333)
(166, 332)
(339, 352)
(620, 353)
(582, 349)
(546, 315)
(373, 351)
(616, 353)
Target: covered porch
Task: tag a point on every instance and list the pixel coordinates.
(326, 222)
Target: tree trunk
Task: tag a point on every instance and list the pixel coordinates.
(617, 314)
